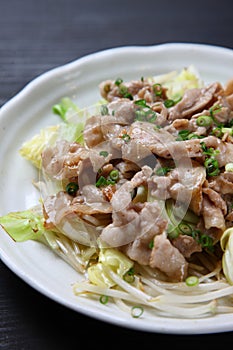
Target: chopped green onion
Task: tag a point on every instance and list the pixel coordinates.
(141, 103)
(192, 281)
(215, 109)
(217, 132)
(123, 89)
(118, 81)
(104, 110)
(185, 228)
(228, 130)
(128, 95)
(126, 137)
(157, 89)
(169, 103)
(103, 153)
(151, 244)
(137, 311)
(101, 181)
(204, 120)
(183, 135)
(209, 151)
(59, 110)
(206, 241)
(163, 171)
(196, 235)
(72, 188)
(212, 166)
(129, 276)
(114, 175)
(103, 299)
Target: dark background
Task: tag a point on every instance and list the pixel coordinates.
(36, 36)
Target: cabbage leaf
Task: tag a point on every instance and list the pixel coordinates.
(114, 259)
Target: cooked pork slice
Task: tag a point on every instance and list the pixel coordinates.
(63, 160)
(168, 259)
(184, 184)
(222, 183)
(193, 101)
(139, 250)
(111, 90)
(130, 221)
(216, 198)
(187, 245)
(212, 215)
(92, 132)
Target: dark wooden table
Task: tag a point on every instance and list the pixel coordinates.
(36, 36)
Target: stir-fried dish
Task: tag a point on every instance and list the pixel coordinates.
(137, 194)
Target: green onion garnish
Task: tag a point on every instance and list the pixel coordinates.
(72, 188)
(151, 244)
(118, 81)
(141, 103)
(185, 228)
(114, 175)
(215, 109)
(192, 281)
(163, 171)
(104, 110)
(204, 120)
(103, 299)
(129, 276)
(137, 311)
(206, 241)
(101, 181)
(157, 89)
(169, 103)
(126, 137)
(212, 166)
(103, 153)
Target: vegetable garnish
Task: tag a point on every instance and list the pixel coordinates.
(137, 311)
(192, 281)
(169, 103)
(185, 228)
(118, 81)
(158, 89)
(104, 299)
(211, 164)
(103, 153)
(104, 110)
(126, 137)
(162, 171)
(102, 182)
(204, 120)
(72, 188)
(129, 276)
(184, 135)
(114, 175)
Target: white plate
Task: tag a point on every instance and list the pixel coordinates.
(28, 111)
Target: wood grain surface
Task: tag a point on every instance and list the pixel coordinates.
(37, 35)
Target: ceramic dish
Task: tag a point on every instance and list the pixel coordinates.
(30, 110)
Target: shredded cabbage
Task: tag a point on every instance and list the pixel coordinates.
(23, 225)
(32, 149)
(114, 259)
(178, 82)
